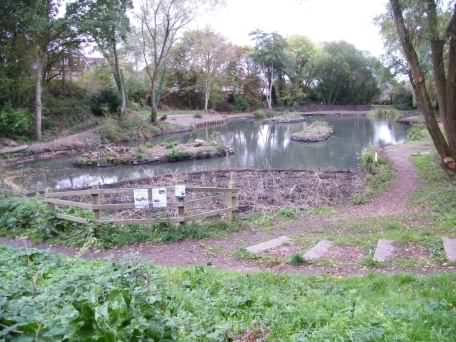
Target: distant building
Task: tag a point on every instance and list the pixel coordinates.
(74, 66)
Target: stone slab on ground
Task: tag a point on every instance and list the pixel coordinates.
(318, 251)
(450, 249)
(384, 251)
(268, 245)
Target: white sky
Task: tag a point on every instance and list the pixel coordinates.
(319, 20)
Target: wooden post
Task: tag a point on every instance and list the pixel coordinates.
(181, 210)
(230, 199)
(96, 201)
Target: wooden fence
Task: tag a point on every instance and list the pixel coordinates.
(212, 202)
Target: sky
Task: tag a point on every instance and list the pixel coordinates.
(319, 20)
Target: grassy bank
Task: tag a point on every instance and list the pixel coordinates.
(49, 298)
(379, 174)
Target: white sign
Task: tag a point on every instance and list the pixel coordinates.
(141, 198)
(159, 198)
(180, 191)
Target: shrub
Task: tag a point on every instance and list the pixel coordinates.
(297, 260)
(241, 104)
(133, 127)
(385, 114)
(176, 155)
(104, 102)
(20, 214)
(417, 134)
(198, 116)
(379, 175)
(15, 122)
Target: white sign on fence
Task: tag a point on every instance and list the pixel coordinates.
(141, 198)
(180, 191)
(159, 198)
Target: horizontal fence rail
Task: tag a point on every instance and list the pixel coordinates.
(199, 203)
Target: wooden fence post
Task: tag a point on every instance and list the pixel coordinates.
(181, 210)
(96, 201)
(231, 198)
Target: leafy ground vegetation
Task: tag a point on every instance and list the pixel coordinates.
(34, 220)
(46, 297)
(379, 174)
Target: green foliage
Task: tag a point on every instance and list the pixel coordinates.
(379, 174)
(177, 155)
(107, 101)
(417, 134)
(35, 220)
(45, 297)
(297, 260)
(345, 75)
(134, 127)
(14, 123)
(438, 192)
(390, 114)
(241, 104)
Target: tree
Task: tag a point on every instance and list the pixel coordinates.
(300, 66)
(107, 24)
(160, 23)
(270, 55)
(208, 55)
(442, 47)
(344, 75)
(32, 36)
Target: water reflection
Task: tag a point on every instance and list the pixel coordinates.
(256, 145)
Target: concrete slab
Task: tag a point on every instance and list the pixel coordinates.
(450, 249)
(268, 245)
(384, 251)
(318, 251)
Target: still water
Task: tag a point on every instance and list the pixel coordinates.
(256, 145)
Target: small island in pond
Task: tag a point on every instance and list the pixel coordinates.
(315, 132)
(147, 154)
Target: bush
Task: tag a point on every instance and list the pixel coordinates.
(385, 114)
(417, 134)
(18, 215)
(133, 127)
(105, 102)
(15, 122)
(241, 104)
(48, 299)
(379, 176)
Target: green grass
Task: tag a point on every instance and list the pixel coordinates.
(379, 175)
(437, 194)
(418, 134)
(51, 298)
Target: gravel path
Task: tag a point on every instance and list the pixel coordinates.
(219, 253)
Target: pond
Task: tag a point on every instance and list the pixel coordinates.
(256, 145)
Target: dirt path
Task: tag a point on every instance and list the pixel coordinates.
(219, 253)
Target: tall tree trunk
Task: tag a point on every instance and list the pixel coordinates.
(38, 98)
(419, 83)
(153, 100)
(118, 76)
(270, 86)
(207, 94)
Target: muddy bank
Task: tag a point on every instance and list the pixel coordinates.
(268, 190)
